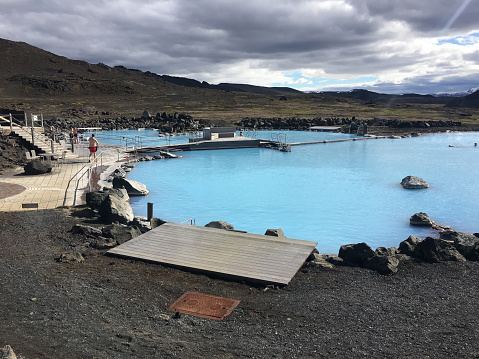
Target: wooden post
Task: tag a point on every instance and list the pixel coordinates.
(150, 211)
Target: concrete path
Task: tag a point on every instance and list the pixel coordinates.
(66, 185)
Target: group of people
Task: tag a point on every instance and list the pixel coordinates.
(74, 135)
(92, 142)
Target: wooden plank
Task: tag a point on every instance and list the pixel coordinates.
(251, 256)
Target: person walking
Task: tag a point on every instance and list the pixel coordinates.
(93, 146)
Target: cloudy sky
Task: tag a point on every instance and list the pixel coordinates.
(389, 46)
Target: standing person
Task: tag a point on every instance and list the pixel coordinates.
(75, 135)
(93, 146)
(71, 135)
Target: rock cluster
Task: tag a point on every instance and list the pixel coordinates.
(450, 246)
(352, 123)
(168, 123)
(110, 206)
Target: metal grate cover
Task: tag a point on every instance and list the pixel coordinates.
(204, 305)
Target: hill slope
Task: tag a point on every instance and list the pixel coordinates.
(371, 96)
(470, 101)
(28, 70)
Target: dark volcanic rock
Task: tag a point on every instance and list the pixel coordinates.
(220, 225)
(95, 199)
(37, 167)
(467, 244)
(114, 209)
(413, 182)
(421, 219)
(437, 250)
(383, 264)
(86, 230)
(356, 253)
(133, 188)
(409, 247)
(274, 232)
(120, 233)
(155, 222)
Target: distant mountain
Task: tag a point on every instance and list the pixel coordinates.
(261, 90)
(374, 97)
(456, 94)
(469, 101)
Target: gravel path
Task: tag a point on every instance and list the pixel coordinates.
(108, 307)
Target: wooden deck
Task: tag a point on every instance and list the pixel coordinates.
(248, 256)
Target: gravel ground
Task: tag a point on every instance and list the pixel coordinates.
(108, 307)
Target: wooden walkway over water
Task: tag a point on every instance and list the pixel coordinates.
(247, 256)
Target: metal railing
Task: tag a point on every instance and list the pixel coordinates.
(82, 172)
(191, 220)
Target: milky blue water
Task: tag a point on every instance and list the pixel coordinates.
(334, 193)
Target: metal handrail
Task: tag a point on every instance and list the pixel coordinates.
(192, 221)
(90, 165)
(68, 186)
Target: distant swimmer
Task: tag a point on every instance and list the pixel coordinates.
(475, 144)
(451, 146)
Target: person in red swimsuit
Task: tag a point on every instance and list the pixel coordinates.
(93, 146)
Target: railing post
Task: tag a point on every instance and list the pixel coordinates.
(41, 115)
(11, 122)
(33, 134)
(26, 120)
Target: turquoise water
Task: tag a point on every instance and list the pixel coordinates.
(335, 193)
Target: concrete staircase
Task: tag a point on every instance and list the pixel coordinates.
(42, 143)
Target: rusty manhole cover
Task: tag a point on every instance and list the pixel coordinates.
(204, 305)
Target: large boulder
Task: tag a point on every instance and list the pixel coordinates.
(467, 244)
(88, 231)
(118, 173)
(114, 209)
(220, 225)
(120, 233)
(413, 182)
(36, 167)
(142, 223)
(95, 199)
(356, 253)
(384, 264)
(437, 250)
(133, 188)
(421, 219)
(409, 247)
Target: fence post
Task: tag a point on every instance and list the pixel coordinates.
(150, 211)
(11, 122)
(41, 115)
(33, 134)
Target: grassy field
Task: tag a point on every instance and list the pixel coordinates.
(223, 108)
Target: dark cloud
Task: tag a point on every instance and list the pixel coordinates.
(253, 41)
